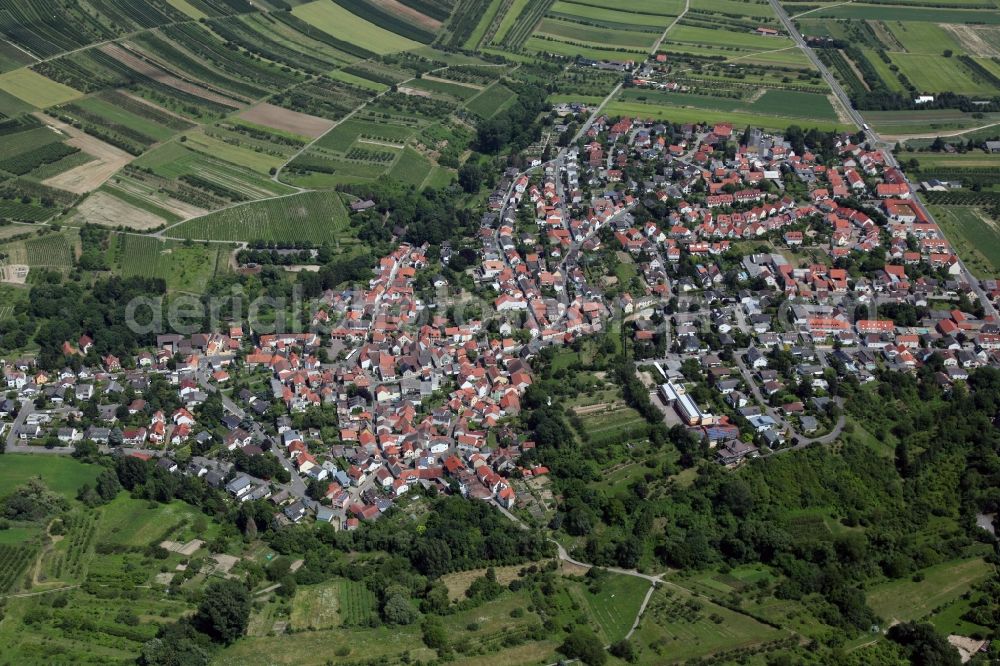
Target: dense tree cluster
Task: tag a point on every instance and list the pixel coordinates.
(516, 128)
(60, 311)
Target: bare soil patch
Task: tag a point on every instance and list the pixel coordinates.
(397, 8)
(14, 273)
(406, 90)
(103, 209)
(186, 549)
(458, 583)
(979, 40)
(175, 206)
(86, 177)
(464, 84)
(161, 76)
(224, 563)
(287, 120)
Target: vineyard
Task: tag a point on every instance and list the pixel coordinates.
(525, 24)
(68, 560)
(466, 21)
(47, 27)
(357, 603)
(184, 268)
(47, 154)
(313, 216)
(14, 561)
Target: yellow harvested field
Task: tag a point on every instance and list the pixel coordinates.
(287, 120)
(87, 177)
(458, 583)
(103, 209)
(35, 89)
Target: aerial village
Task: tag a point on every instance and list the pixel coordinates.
(741, 269)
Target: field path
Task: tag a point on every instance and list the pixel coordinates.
(823, 7)
(39, 593)
(934, 135)
(654, 580)
(652, 51)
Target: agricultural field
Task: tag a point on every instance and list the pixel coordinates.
(61, 474)
(317, 217)
(904, 600)
(768, 102)
(686, 114)
(919, 50)
(338, 21)
(203, 180)
(930, 123)
(186, 267)
(975, 236)
(53, 250)
(36, 90)
(678, 626)
(597, 30)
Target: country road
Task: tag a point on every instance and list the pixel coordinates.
(873, 138)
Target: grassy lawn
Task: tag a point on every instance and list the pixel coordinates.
(35, 89)
(213, 147)
(564, 48)
(974, 159)
(617, 424)
(411, 167)
(318, 647)
(936, 73)
(929, 121)
(675, 114)
(186, 268)
(134, 523)
(614, 607)
(18, 535)
(316, 607)
(887, 13)
(458, 582)
(909, 600)
(61, 474)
